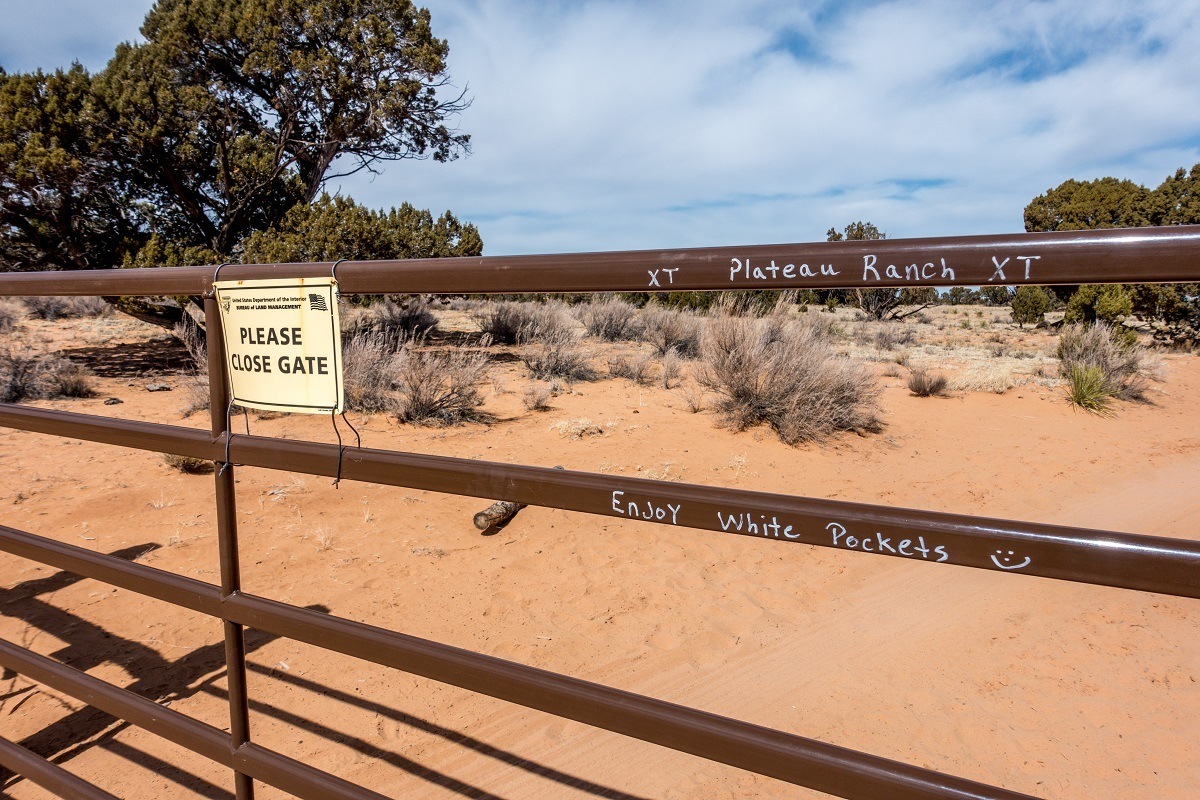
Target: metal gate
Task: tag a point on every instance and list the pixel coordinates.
(1142, 563)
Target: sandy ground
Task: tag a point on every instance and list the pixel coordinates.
(1056, 689)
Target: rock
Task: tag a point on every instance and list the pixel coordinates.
(158, 387)
(113, 401)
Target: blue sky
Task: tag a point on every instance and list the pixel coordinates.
(616, 125)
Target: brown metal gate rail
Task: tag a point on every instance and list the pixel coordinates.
(1144, 563)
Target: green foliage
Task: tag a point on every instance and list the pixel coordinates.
(1176, 201)
(62, 198)
(961, 296)
(1088, 205)
(337, 227)
(225, 116)
(1086, 389)
(1172, 309)
(232, 111)
(877, 303)
(1108, 303)
(1030, 304)
(995, 295)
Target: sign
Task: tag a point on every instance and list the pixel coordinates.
(283, 343)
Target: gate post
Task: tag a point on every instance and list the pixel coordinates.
(227, 544)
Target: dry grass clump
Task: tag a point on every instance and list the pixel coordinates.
(670, 369)
(87, 307)
(53, 308)
(371, 368)
(47, 308)
(611, 319)
(636, 368)
(887, 336)
(578, 428)
(926, 384)
(785, 377)
(1099, 361)
(187, 464)
(694, 397)
(394, 373)
(668, 330)
(11, 312)
(996, 376)
(536, 397)
(555, 353)
(822, 328)
(195, 383)
(509, 322)
(411, 317)
(439, 387)
(42, 377)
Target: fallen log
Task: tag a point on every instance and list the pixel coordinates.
(498, 513)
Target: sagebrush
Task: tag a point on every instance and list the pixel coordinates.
(371, 370)
(41, 377)
(511, 322)
(439, 387)
(667, 330)
(555, 353)
(785, 376)
(611, 319)
(11, 312)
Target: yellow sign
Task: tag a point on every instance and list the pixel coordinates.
(283, 343)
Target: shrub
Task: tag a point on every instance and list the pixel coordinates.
(1030, 304)
(24, 376)
(439, 387)
(371, 369)
(48, 308)
(535, 397)
(11, 312)
(1124, 371)
(555, 353)
(635, 369)
(410, 318)
(87, 307)
(923, 384)
(509, 322)
(611, 319)
(671, 367)
(668, 330)
(1093, 303)
(791, 381)
(694, 398)
(886, 336)
(195, 384)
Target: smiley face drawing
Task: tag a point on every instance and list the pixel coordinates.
(1005, 559)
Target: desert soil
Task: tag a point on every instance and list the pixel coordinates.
(1056, 689)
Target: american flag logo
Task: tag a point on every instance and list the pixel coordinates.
(316, 302)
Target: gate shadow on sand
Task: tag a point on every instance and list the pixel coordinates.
(156, 678)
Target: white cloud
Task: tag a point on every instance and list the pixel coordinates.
(608, 125)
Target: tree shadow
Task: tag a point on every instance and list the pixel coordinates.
(156, 678)
(160, 356)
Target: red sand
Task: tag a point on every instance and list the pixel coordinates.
(1055, 689)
